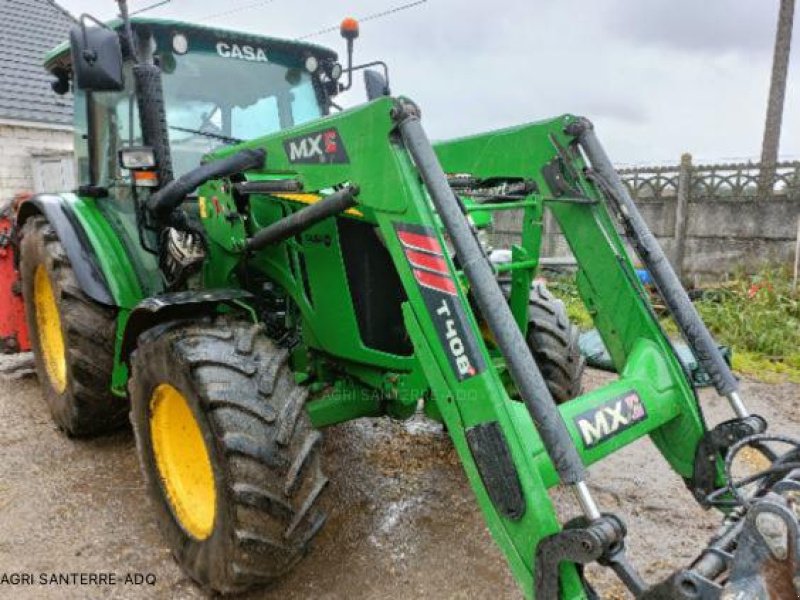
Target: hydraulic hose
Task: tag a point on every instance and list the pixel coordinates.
(653, 257)
(167, 199)
(493, 305)
(304, 218)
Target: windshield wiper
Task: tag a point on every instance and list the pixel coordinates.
(216, 136)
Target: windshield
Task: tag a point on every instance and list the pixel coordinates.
(211, 99)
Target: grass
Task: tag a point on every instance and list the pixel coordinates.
(567, 291)
(758, 316)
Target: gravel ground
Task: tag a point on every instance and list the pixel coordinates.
(404, 524)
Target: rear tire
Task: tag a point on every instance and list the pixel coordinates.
(263, 452)
(72, 337)
(553, 340)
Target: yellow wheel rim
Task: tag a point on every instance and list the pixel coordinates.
(183, 462)
(48, 325)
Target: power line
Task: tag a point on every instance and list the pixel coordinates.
(225, 13)
(371, 17)
(150, 7)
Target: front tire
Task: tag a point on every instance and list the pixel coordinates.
(71, 335)
(231, 460)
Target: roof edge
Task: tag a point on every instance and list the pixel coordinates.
(30, 124)
(63, 47)
(68, 14)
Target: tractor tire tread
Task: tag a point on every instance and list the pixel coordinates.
(87, 406)
(267, 452)
(553, 341)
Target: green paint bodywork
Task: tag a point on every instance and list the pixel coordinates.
(351, 379)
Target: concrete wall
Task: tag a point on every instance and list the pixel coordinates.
(19, 144)
(728, 224)
(725, 235)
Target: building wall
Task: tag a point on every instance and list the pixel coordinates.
(722, 236)
(19, 144)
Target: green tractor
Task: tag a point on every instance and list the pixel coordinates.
(244, 264)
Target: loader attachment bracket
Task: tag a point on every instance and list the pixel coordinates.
(580, 542)
(715, 444)
(761, 558)
(766, 561)
(684, 584)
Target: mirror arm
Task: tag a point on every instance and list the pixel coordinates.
(375, 63)
(90, 58)
(344, 88)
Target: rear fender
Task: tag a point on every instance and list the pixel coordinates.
(72, 235)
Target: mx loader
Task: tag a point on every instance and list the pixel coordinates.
(245, 263)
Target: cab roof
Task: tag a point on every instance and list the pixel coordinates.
(60, 56)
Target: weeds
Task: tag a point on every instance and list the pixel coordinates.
(567, 291)
(758, 316)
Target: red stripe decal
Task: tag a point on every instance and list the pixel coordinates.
(419, 241)
(437, 282)
(427, 261)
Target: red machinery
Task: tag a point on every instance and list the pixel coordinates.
(13, 327)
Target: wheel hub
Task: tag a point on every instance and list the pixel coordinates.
(183, 462)
(48, 326)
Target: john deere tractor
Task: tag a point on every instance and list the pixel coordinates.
(245, 263)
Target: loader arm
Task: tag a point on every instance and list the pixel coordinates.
(512, 451)
(465, 386)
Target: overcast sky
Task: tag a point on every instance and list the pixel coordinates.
(658, 77)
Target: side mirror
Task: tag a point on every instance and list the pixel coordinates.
(376, 85)
(96, 57)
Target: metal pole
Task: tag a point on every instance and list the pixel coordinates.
(494, 307)
(796, 256)
(653, 257)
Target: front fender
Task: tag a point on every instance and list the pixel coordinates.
(175, 305)
(72, 235)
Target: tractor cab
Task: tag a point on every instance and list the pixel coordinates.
(213, 87)
(219, 87)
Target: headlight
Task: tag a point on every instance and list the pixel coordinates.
(180, 43)
(142, 157)
(312, 64)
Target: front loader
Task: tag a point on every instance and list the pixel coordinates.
(245, 264)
